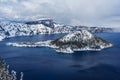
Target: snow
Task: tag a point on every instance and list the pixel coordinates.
(75, 36)
(48, 44)
(30, 44)
(13, 29)
(5, 73)
(42, 19)
(8, 29)
(1, 38)
(67, 50)
(81, 37)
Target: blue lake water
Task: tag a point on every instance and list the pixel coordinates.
(46, 64)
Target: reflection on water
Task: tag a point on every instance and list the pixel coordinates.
(46, 64)
(86, 60)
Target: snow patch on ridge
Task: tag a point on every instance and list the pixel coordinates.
(75, 36)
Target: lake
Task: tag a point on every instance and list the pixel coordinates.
(46, 64)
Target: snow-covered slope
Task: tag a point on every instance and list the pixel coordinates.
(77, 36)
(8, 29)
(80, 40)
(41, 26)
(74, 41)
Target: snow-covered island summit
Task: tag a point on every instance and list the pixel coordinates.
(81, 40)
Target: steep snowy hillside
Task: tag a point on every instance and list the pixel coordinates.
(8, 29)
(41, 26)
(81, 40)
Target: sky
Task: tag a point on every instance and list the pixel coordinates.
(105, 13)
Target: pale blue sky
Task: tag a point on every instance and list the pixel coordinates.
(73, 12)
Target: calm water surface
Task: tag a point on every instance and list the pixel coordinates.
(46, 64)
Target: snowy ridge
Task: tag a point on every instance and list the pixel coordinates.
(40, 26)
(8, 29)
(77, 35)
(77, 41)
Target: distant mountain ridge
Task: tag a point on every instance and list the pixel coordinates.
(40, 26)
(50, 23)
